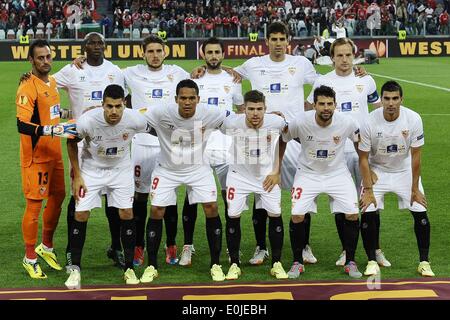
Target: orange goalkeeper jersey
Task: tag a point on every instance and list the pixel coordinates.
(38, 104)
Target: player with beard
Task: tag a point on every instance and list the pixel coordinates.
(322, 169)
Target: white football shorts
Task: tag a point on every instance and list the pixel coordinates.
(200, 186)
(399, 183)
(116, 183)
(144, 159)
(240, 187)
(340, 188)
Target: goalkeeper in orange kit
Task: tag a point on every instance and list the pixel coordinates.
(38, 115)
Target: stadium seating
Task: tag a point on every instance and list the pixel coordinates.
(136, 34)
(10, 35)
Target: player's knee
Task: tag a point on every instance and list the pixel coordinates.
(126, 214)
(82, 216)
(298, 218)
(210, 209)
(140, 197)
(351, 216)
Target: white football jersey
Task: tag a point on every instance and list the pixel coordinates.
(219, 91)
(389, 142)
(85, 86)
(152, 88)
(323, 147)
(182, 140)
(105, 145)
(353, 94)
(281, 82)
(254, 151)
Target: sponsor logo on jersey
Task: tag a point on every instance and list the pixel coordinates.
(346, 106)
(420, 137)
(213, 101)
(392, 148)
(226, 89)
(292, 70)
(54, 111)
(111, 77)
(157, 93)
(97, 138)
(82, 78)
(111, 151)
(336, 139)
(309, 138)
(322, 154)
(170, 77)
(379, 134)
(405, 133)
(262, 72)
(96, 95)
(359, 88)
(275, 87)
(125, 136)
(42, 190)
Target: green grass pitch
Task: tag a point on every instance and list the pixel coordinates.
(397, 236)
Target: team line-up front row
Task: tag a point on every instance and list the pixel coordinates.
(388, 146)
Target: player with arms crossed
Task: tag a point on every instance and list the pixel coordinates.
(391, 142)
(105, 165)
(255, 169)
(322, 169)
(183, 130)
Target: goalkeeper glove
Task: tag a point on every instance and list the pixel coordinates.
(63, 130)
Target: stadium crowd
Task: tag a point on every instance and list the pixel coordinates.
(230, 18)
